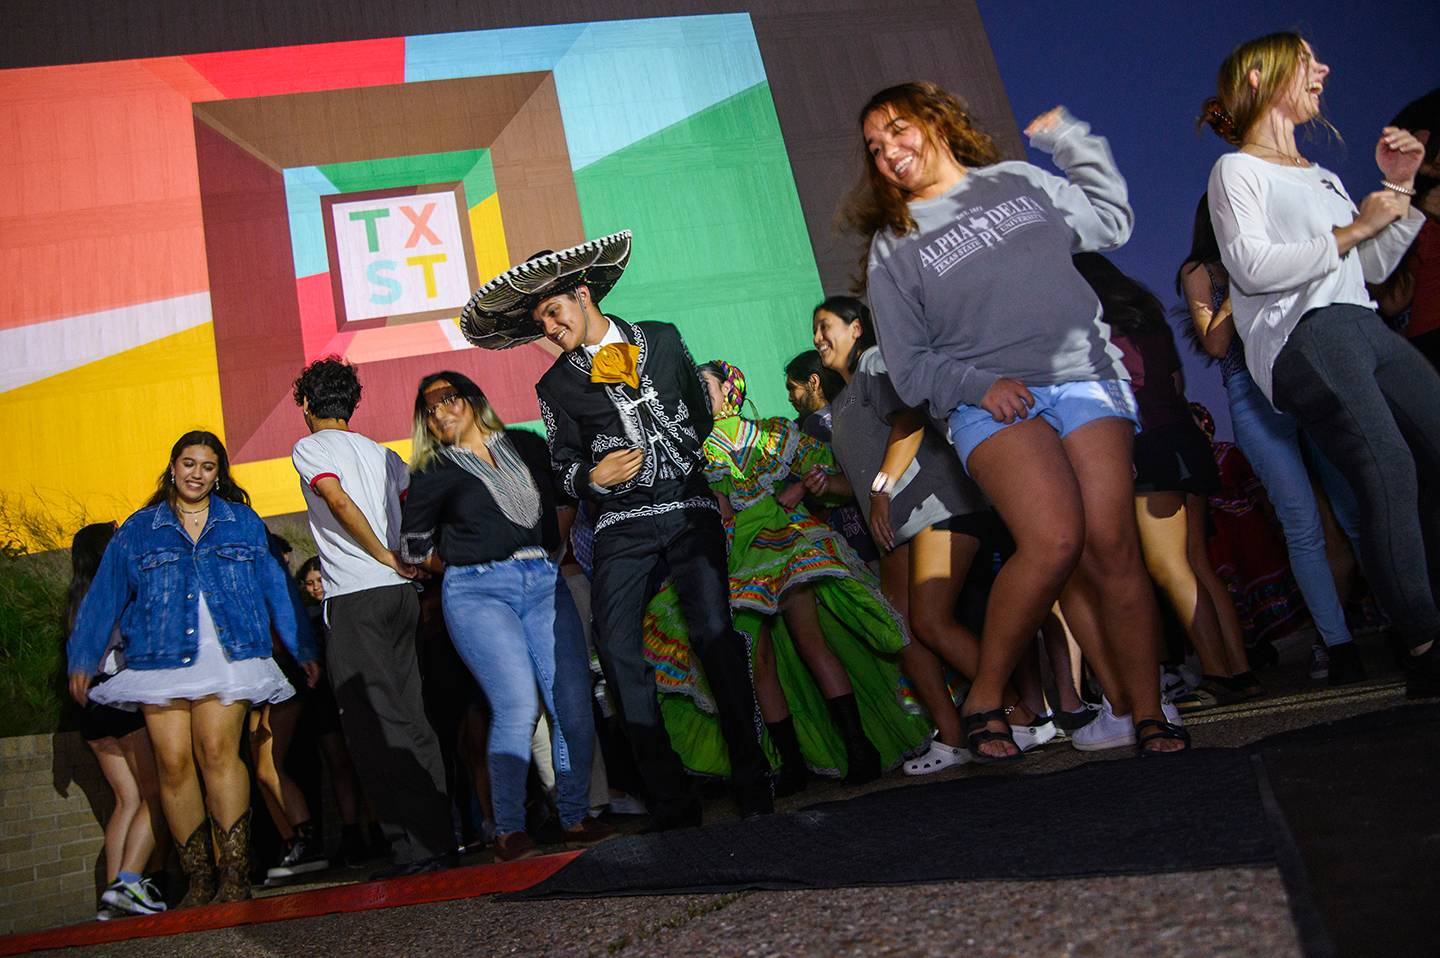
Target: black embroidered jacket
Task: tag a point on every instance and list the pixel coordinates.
(668, 416)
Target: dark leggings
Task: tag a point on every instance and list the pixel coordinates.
(1371, 402)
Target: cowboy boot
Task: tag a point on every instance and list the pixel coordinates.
(197, 857)
(794, 773)
(860, 753)
(234, 867)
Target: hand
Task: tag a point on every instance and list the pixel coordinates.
(312, 673)
(404, 568)
(727, 511)
(791, 496)
(617, 466)
(1007, 400)
(1399, 155)
(1045, 122)
(1380, 209)
(80, 688)
(880, 529)
(817, 480)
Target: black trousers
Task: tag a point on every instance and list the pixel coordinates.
(691, 542)
(371, 661)
(1371, 402)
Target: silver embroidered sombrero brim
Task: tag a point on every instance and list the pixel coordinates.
(498, 315)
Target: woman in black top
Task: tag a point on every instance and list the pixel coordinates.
(476, 506)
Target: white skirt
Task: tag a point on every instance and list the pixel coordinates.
(212, 673)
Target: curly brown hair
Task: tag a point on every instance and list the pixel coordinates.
(875, 204)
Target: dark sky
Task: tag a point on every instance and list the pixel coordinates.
(1138, 71)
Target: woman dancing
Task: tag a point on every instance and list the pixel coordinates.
(983, 318)
(1298, 252)
(191, 583)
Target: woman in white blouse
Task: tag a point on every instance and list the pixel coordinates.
(1299, 253)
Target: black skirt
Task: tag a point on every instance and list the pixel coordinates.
(1175, 458)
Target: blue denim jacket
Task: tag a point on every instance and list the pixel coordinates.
(150, 581)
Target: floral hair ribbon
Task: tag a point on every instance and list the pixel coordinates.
(732, 388)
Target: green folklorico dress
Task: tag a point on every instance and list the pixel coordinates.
(771, 552)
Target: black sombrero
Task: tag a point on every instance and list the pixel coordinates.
(498, 314)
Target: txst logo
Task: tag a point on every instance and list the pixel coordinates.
(400, 258)
(979, 228)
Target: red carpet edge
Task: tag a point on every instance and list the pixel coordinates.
(363, 896)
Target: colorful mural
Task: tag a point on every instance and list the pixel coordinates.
(182, 234)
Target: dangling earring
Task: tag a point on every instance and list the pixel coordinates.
(170, 478)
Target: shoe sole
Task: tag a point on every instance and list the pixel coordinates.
(128, 906)
(303, 868)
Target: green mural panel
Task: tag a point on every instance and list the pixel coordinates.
(471, 167)
(720, 248)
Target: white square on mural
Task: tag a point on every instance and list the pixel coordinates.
(401, 255)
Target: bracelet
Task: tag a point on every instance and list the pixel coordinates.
(1396, 187)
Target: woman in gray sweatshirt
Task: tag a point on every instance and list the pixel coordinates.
(983, 319)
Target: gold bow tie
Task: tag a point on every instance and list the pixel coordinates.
(616, 363)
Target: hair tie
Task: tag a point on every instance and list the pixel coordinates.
(1220, 120)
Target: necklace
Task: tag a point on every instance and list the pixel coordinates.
(195, 512)
(1294, 159)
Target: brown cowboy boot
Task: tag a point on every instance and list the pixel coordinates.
(197, 857)
(234, 867)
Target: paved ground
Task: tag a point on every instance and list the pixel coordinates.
(1224, 912)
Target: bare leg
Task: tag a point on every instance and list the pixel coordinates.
(145, 843)
(1064, 660)
(129, 807)
(768, 693)
(267, 773)
(1100, 453)
(1164, 526)
(217, 729)
(1026, 474)
(1231, 635)
(802, 620)
(180, 795)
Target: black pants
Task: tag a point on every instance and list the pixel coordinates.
(1371, 402)
(371, 661)
(692, 544)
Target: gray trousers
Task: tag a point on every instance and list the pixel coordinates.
(1371, 402)
(371, 662)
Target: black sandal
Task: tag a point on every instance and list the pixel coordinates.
(1162, 730)
(976, 734)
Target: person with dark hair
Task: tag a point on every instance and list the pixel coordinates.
(190, 582)
(1174, 472)
(1298, 252)
(983, 319)
(1412, 293)
(824, 642)
(811, 388)
(352, 487)
(1272, 443)
(481, 501)
(625, 416)
(117, 737)
(927, 516)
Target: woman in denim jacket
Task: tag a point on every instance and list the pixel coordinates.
(190, 582)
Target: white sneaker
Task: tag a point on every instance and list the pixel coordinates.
(1108, 730)
(1033, 736)
(936, 758)
(132, 898)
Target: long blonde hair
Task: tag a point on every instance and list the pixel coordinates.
(874, 203)
(1236, 105)
(423, 446)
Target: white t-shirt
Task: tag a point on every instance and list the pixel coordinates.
(1273, 224)
(374, 478)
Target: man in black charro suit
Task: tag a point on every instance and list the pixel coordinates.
(626, 417)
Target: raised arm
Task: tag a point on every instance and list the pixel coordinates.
(1093, 197)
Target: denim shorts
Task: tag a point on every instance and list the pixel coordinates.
(1065, 406)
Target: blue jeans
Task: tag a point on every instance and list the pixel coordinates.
(515, 625)
(1271, 441)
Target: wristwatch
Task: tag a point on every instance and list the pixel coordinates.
(882, 485)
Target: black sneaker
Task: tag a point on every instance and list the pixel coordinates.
(1422, 674)
(305, 855)
(1345, 665)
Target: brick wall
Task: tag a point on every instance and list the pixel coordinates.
(52, 801)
